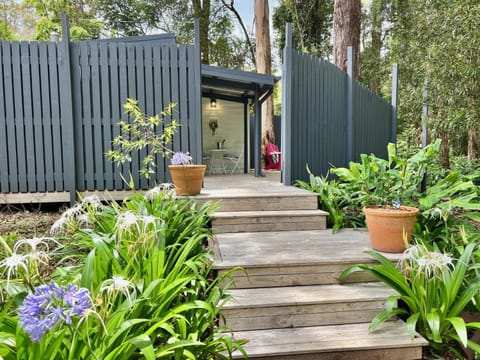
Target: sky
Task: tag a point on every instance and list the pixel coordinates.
(245, 8)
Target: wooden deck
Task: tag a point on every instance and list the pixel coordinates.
(287, 301)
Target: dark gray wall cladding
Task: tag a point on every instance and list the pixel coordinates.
(34, 124)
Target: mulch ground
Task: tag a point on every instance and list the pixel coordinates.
(28, 222)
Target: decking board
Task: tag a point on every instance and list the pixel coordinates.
(335, 338)
(290, 248)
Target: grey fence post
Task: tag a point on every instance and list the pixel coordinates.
(393, 136)
(68, 117)
(197, 147)
(425, 114)
(425, 128)
(349, 127)
(286, 134)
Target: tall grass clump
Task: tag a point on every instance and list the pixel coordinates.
(116, 282)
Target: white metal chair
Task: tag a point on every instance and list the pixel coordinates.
(235, 160)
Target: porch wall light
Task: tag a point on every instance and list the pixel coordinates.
(213, 103)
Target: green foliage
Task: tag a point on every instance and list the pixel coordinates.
(452, 198)
(150, 280)
(142, 133)
(312, 21)
(331, 198)
(435, 289)
(376, 181)
(6, 32)
(435, 40)
(218, 39)
(83, 24)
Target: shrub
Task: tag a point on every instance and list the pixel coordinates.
(435, 289)
(380, 181)
(147, 276)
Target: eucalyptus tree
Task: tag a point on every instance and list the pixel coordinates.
(346, 32)
(264, 64)
(218, 41)
(438, 41)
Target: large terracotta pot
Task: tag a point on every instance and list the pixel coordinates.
(188, 179)
(387, 226)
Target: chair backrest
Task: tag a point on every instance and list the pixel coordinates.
(271, 148)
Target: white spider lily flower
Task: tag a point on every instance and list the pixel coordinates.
(34, 243)
(73, 212)
(164, 188)
(436, 212)
(83, 218)
(150, 219)
(58, 225)
(420, 260)
(92, 200)
(118, 284)
(126, 220)
(14, 263)
(67, 218)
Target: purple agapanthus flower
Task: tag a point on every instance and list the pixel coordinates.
(181, 158)
(49, 305)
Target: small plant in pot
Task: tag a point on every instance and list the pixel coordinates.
(142, 133)
(188, 178)
(387, 191)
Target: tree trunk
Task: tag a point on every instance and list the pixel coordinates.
(264, 64)
(472, 144)
(444, 151)
(376, 10)
(203, 13)
(346, 32)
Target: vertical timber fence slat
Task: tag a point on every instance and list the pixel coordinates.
(19, 118)
(26, 91)
(4, 182)
(10, 117)
(98, 135)
(37, 117)
(46, 118)
(106, 114)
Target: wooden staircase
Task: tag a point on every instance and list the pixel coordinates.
(287, 301)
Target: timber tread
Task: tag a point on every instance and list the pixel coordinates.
(299, 306)
(350, 341)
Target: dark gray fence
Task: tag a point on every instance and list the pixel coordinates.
(328, 118)
(31, 129)
(60, 104)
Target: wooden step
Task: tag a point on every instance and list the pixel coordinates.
(292, 258)
(278, 201)
(260, 221)
(339, 342)
(301, 306)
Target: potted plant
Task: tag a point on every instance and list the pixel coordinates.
(142, 133)
(387, 191)
(188, 178)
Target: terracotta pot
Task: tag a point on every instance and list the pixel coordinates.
(188, 179)
(386, 227)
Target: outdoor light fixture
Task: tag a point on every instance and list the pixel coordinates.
(213, 103)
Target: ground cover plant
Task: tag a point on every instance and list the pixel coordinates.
(437, 279)
(116, 281)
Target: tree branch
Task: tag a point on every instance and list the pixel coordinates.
(231, 7)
